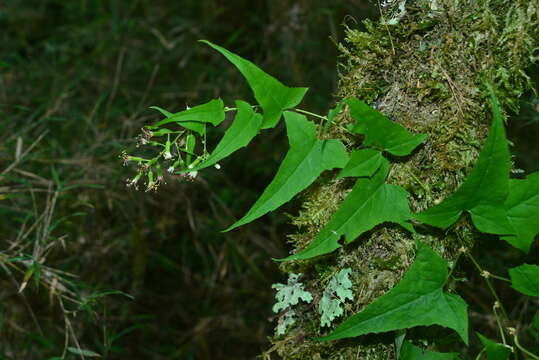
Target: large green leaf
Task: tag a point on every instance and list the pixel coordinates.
(522, 206)
(411, 352)
(243, 129)
(525, 278)
(494, 350)
(380, 132)
(194, 118)
(417, 300)
(306, 159)
(371, 202)
(484, 190)
(364, 162)
(271, 94)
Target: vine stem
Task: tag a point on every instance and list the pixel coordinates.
(499, 278)
(517, 344)
(478, 357)
(500, 327)
(311, 114)
(486, 275)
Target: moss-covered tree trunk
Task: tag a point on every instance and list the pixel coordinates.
(425, 67)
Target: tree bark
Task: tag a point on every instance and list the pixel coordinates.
(427, 71)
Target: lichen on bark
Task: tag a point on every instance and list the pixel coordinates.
(427, 72)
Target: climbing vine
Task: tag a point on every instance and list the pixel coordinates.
(497, 204)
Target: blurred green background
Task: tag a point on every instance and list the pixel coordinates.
(134, 275)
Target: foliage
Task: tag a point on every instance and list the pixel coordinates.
(244, 128)
(419, 298)
(411, 352)
(371, 202)
(272, 96)
(307, 158)
(523, 196)
(494, 350)
(525, 279)
(380, 132)
(485, 189)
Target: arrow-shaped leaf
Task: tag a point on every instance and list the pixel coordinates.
(525, 279)
(522, 207)
(494, 350)
(364, 162)
(417, 300)
(307, 158)
(243, 129)
(271, 94)
(194, 118)
(484, 191)
(371, 202)
(380, 132)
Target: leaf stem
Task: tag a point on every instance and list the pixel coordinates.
(499, 278)
(500, 327)
(489, 284)
(311, 114)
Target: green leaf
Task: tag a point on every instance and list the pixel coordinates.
(380, 132)
(484, 191)
(525, 279)
(271, 94)
(190, 143)
(494, 350)
(243, 129)
(332, 114)
(83, 352)
(194, 118)
(417, 300)
(411, 352)
(371, 202)
(362, 163)
(522, 207)
(307, 158)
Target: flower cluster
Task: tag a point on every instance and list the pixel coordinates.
(174, 152)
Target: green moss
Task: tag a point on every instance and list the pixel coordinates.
(426, 72)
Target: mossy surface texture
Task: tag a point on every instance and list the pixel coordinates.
(426, 71)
